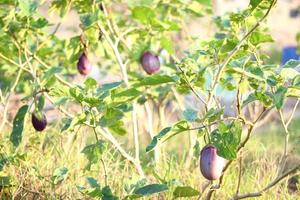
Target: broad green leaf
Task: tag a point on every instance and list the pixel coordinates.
(227, 138)
(257, 38)
(88, 19)
(77, 93)
(213, 114)
(92, 182)
(255, 3)
(143, 14)
(229, 45)
(279, 96)
(118, 128)
(107, 194)
(18, 126)
(292, 64)
(177, 128)
(28, 7)
(158, 137)
(296, 81)
(90, 83)
(39, 23)
(110, 117)
(93, 152)
(51, 72)
(154, 80)
(151, 189)
(110, 86)
(59, 175)
(190, 115)
(185, 191)
(126, 95)
(4, 181)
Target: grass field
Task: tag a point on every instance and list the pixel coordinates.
(51, 166)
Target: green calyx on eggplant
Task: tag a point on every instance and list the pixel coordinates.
(211, 165)
(150, 62)
(39, 121)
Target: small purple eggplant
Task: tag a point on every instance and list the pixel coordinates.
(211, 165)
(150, 63)
(84, 67)
(39, 121)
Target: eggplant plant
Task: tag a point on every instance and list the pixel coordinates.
(126, 39)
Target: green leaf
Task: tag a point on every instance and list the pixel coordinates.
(110, 117)
(28, 7)
(18, 126)
(93, 152)
(107, 194)
(92, 182)
(229, 45)
(41, 103)
(90, 83)
(126, 95)
(185, 191)
(279, 96)
(59, 175)
(143, 14)
(167, 44)
(213, 114)
(177, 128)
(154, 80)
(4, 181)
(156, 138)
(88, 19)
(257, 38)
(292, 64)
(51, 72)
(118, 128)
(255, 3)
(151, 189)
(190, 115)
(227, 138)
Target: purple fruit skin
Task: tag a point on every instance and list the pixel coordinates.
(211, 165)
(150, 63)
(84, 67)
(39, 124)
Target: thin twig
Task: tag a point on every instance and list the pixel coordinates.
(234, 51)
(191, 87)
(269, 186)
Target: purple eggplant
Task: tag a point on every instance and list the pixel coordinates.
(84, 67)
(211, 165)
(39, 121)
(150, 63)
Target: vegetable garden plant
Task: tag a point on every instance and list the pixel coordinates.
(135, 40)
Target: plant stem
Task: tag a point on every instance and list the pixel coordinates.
(270, 185)
(234, 51)
(125, 79)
